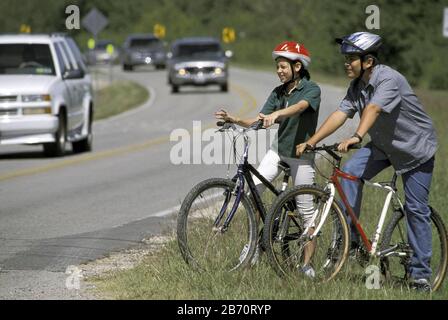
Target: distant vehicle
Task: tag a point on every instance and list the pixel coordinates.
(45, 93)
(198, 61)
(101, 54)
(141, 49)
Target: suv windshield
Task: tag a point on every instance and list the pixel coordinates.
(199, 50)
(32, 59)
(145, 43)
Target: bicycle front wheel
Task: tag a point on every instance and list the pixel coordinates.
(289, 248)
(204, 244)
(395, 267)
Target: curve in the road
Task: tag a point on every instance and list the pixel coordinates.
(249, 104)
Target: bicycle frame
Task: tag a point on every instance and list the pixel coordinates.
(371, 246)
(245, 169)
(334, 185)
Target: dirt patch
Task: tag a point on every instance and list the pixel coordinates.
(118, 261)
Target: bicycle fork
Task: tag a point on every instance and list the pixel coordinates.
(238, 191)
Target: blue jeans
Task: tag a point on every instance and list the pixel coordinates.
(416, 184)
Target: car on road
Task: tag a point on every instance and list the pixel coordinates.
(197, 61)
(143, 49)
(104, 52)
(45, 93)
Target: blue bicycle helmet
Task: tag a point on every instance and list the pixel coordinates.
(360, 43)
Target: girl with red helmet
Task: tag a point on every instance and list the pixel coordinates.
(295, 106)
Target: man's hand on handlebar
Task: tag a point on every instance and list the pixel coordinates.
(301, 148)
(345, 145)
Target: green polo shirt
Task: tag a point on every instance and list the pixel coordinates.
(298, 128)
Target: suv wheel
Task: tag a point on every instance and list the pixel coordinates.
(128, 67)
(174, 88)
(85, 145)
(224, 87)
(57, 148)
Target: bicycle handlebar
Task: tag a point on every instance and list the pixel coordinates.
(334, 147)
(225, 125)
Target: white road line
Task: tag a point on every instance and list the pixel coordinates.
(176, 209)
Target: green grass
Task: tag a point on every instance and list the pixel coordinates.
(164, 274)
(118, 97)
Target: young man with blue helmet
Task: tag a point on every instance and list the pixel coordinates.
(402, 135)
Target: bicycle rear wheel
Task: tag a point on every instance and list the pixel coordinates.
(204, 245)
(395, 268)
(288, 247)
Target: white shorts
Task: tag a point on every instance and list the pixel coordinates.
(302, 172)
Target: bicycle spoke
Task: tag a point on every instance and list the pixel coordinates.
(396, 266)
(291, 248)
(204, 244)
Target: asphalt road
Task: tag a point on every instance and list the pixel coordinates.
(55, 213)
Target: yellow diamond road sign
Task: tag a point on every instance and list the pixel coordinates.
(228, 35)
(24, 28)
(159, 31)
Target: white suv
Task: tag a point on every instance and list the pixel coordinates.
(45, 93)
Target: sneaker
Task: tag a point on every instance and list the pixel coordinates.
(255, 258)
(422, 285)
(308, 271)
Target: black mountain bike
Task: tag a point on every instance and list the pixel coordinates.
(218, 222)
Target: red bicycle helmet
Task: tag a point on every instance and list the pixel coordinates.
(292, 51)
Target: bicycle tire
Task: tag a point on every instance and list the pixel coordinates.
(393, 235)
(206, 248)
(285, 255)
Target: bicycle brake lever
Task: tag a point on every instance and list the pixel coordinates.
(224, 125)
(257, 125)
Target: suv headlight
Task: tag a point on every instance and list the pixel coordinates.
(36, 98)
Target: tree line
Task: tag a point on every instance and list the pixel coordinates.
(412, 29)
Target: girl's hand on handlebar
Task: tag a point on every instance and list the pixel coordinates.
(268, 120)
(345, 145)
(224, 115)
